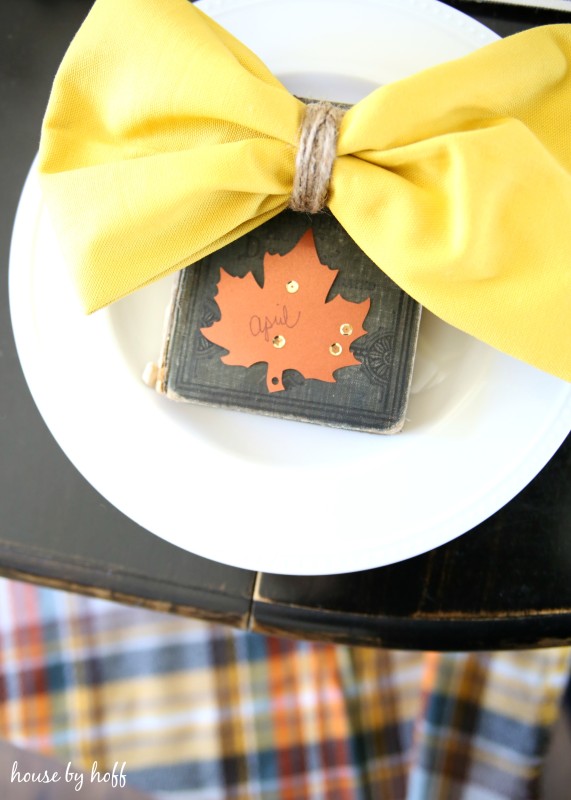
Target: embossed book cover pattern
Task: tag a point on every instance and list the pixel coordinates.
(370, 396)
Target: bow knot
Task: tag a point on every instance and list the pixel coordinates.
(316, 153)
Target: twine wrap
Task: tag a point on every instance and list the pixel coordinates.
(315, 156)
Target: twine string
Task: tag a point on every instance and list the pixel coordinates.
(315, 156)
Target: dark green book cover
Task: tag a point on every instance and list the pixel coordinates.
(371, 395)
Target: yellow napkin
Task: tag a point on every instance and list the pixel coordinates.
(165, 138)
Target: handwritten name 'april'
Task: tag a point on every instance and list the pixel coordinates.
(263, 325)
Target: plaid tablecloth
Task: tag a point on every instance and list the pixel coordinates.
(195, 710)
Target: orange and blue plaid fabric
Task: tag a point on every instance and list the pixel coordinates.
(198, 711)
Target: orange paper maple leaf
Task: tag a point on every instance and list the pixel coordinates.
(287, 322)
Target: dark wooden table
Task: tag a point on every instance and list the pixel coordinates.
(506, 584)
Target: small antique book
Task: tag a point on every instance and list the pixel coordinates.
(292, 320)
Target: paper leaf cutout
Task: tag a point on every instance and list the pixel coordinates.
(287, 322)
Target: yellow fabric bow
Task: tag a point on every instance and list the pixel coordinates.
(165, 138)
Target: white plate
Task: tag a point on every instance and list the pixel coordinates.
(268, 494)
